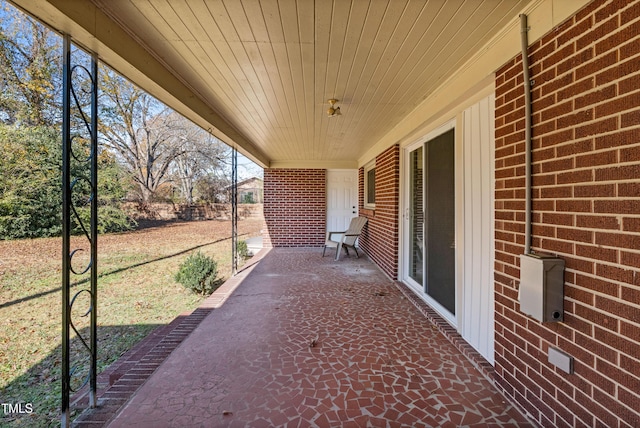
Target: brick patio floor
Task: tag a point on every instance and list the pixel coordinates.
(307, 341)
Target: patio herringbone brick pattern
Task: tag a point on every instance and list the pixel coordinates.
(308, 341)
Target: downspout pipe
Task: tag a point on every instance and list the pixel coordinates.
(524, 32)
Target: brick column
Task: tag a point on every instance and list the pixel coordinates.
(380, 237)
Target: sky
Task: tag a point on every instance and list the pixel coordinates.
(247, 168)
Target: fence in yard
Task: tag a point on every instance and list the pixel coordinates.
(168, 211)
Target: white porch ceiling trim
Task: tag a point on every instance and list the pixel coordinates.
(347, 164)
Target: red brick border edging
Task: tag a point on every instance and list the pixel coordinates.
(122, 379)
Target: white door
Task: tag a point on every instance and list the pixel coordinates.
(342, 198)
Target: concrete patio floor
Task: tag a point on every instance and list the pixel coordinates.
(298, 340)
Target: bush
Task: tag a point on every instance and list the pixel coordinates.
(199, 274)
(31, 186)
(242, 249)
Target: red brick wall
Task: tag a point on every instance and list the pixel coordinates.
(294, 207)
(586, 201)
(380, 237)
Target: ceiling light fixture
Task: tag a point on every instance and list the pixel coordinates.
(333, 110)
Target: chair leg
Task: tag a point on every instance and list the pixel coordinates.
(338, 251)
(356, 250)
(323, 250)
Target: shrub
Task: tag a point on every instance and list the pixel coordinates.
(242, 249)
(199, 274)
(31, 186)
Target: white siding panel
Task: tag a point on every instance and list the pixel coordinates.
(478, 298)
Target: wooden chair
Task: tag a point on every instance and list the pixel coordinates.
(348, 238)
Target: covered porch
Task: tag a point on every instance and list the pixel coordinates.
(299, 340)
(523, 113)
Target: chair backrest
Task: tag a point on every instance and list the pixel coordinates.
(355, 228)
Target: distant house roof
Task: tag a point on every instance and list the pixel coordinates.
(255, 181)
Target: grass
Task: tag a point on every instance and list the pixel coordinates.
(136, 293)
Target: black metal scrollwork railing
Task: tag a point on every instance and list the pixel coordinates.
(79, 207)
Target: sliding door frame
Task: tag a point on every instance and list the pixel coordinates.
(405, 216)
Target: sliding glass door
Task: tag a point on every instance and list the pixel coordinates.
(430, 221)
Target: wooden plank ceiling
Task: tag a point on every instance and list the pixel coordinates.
(269, 66)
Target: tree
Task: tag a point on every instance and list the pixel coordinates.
(30, 70)
(30, 138)
(30, 194)
(213, 188)
(30, 191)
(139, 129)
(200, 155)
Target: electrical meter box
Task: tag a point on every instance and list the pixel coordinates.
(542, 287)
